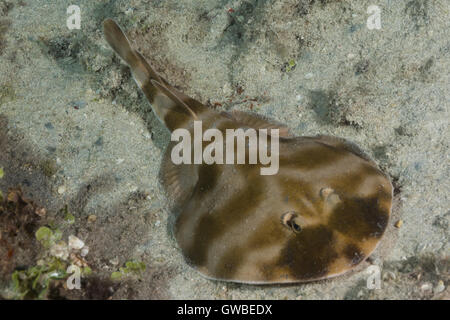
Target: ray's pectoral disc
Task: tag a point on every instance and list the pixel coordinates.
(320, 216)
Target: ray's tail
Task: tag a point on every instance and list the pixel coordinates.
(169, 105)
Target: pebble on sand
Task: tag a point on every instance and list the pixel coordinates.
(78, 104)
(60, 250)
(61, 189)
(84, 251)
(426, 287)
(75, 243)
(398, 224)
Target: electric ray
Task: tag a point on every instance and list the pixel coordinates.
(320, 215)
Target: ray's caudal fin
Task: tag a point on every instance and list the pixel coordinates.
(169, 105)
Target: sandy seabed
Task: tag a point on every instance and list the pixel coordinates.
(76, 131)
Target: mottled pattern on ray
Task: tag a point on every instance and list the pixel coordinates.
(321, 215)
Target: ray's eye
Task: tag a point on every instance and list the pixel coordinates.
(288, 219)
(296, 227)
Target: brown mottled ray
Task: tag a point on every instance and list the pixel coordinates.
(322, 214)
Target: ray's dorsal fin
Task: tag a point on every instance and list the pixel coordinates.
(193, 104)
(169, 105)
(257, 121)
(173, 97)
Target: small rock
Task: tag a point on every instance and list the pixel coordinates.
(375, 260)
(60, 250)
(389, 275)
(426, 287)
(92, 218)
(84, 252)
(398, 224)
(157, 223)
(75, 243)
(439, 287)
(114, 261)
(78, 104)
(308, 76)
(119, 161)
(61, 189)
(41, 212)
